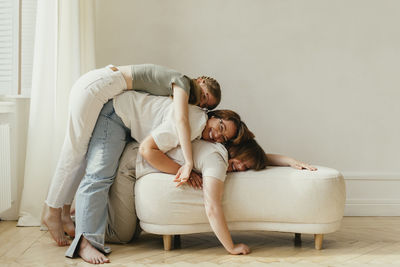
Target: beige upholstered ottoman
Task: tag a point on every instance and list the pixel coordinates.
(276, 199)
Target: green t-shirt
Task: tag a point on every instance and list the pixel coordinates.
(158, 80)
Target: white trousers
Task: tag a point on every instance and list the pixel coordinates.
(88, 95)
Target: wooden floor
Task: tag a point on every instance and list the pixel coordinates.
(361, 241)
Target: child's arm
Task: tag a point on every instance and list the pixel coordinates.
(213, 192)
(280, 160)
(181, 113)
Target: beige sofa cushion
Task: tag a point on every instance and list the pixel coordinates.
(278, 198)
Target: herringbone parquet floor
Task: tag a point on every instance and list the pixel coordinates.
(361, 241)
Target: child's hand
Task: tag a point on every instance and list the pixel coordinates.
(183, 173)
(301, 165)
(195, 180)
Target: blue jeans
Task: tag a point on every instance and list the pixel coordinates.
(105, 148)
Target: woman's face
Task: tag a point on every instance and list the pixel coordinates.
(237, 165)
(218, 130)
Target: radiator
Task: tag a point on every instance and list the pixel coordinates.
(5, 167)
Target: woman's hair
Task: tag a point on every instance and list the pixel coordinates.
(249, 151)
(213, 88)
(243, 133)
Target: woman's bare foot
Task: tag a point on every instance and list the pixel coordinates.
(52, 219)
(68, 224)
(72, 208)
(90, 254)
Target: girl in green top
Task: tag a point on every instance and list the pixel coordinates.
(88, 95)
(158, 80)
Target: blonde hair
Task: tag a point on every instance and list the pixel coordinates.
(214, 88)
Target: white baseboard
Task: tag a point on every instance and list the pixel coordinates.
(372, 194)
(372, 210)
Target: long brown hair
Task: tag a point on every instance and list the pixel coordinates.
(250, 151)
(242, 132)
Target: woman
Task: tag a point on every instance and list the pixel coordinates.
(243, 156)
(250, 155)
(247, 155)
(149, 120)
(88, 95)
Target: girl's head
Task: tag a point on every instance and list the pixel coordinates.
(245, 156)
(225, 126)
(205, 92)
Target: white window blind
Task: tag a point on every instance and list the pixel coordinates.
(9, 13)
(28, 24)
(11, 35)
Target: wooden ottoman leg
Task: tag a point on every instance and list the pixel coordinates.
(318, 241)
(297, 239)
(167, 239)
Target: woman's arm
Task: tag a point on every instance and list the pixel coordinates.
(280, 160)
(181, 113)
(158, 159)
(213, 191)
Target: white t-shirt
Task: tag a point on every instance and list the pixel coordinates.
(146, 114)
(210, 159)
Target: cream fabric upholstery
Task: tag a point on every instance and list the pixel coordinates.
(276, 199)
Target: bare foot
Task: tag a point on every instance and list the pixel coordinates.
(90, 254)
(68, 224)
(72, 208)
(52, 219)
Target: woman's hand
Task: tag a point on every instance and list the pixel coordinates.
(239, 249)
(195, 180)
(281, 160)
(301, 165)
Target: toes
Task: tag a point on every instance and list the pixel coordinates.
(62, 241)
(105, 259)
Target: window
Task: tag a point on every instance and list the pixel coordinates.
(17, 31)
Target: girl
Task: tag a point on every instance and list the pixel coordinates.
(88, 95)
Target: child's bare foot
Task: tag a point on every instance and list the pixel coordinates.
(90, 254)
(68, 224)
(52, 219)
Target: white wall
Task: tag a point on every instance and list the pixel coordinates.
(317, 80)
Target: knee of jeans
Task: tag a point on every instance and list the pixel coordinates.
(98, 180)
(100, 173)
